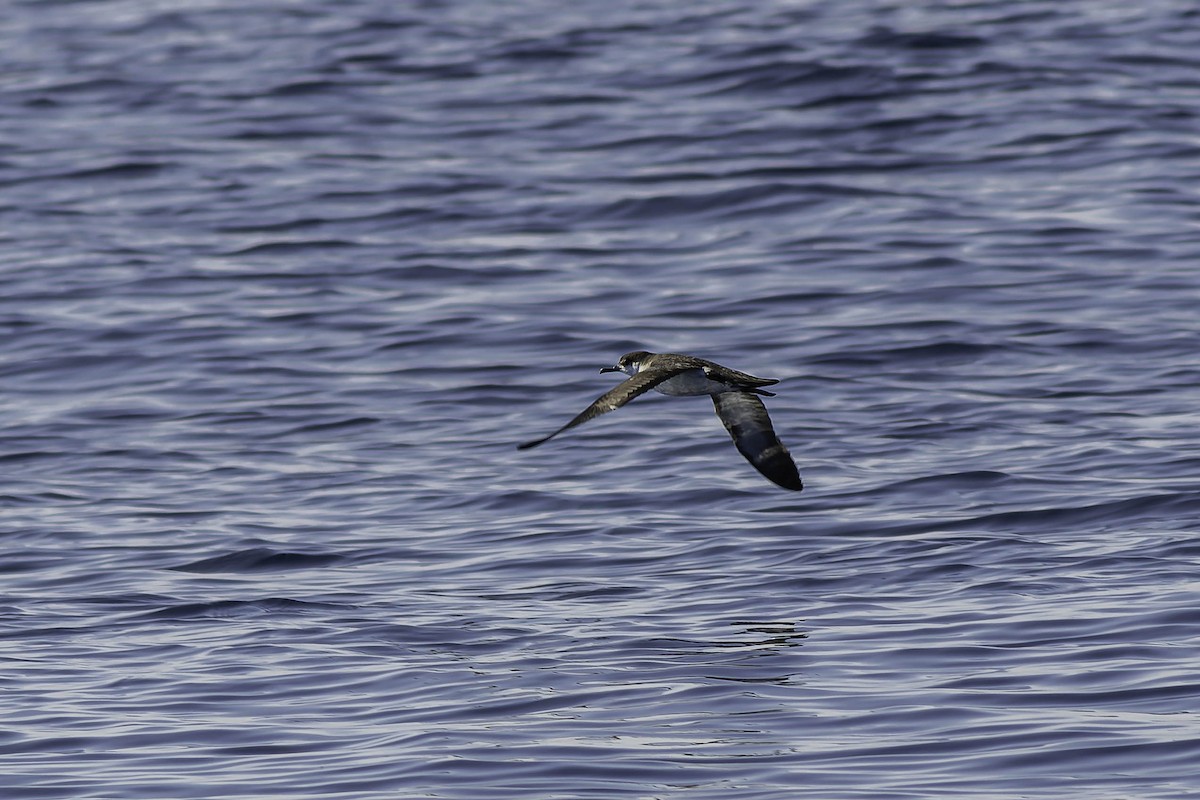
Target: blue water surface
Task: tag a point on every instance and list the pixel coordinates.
(283, 283)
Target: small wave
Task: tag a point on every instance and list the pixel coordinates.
(223, 609)
(261, 559)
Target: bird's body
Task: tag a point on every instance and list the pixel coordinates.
(734, 395)
(693, 376)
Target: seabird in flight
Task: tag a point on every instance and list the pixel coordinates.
(734, 395)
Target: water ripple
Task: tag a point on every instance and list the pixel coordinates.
(284, 286)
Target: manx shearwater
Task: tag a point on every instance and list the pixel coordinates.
(734, 395)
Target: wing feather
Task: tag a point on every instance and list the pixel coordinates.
(746, 419)
(613, 399)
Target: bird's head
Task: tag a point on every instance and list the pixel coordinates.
(630, 363)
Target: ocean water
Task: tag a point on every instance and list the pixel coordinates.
(283, 283)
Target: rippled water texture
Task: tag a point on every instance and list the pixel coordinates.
(283, 284)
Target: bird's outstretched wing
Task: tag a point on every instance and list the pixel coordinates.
(746, 419)
(613, 399)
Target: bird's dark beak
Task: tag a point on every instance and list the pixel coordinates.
(610, 369)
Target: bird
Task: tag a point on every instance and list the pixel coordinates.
(735, 397)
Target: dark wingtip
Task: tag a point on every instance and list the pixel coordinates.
(782, 472)
(527, 445)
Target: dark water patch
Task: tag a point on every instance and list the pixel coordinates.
(720, 203)
(334, 425)
(944, 353)
(294, 246)
(1110, 515)
(234, 609)
(123, 170)
(1175, 753)
(261, 558)
(888, 38)
(815, 82)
